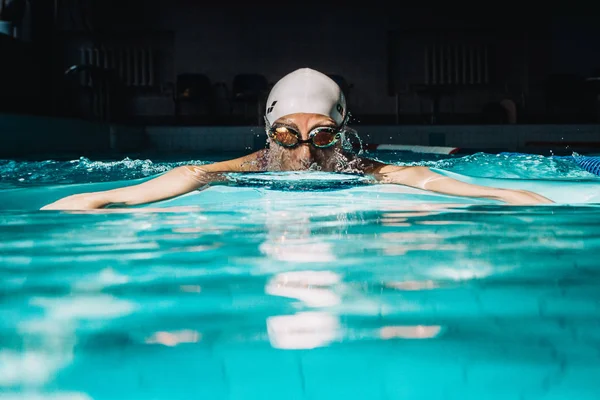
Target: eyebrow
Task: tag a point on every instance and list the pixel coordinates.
(324, 123)
(292, 124)
(287, 122)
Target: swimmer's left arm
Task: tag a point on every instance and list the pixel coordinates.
(426, 179)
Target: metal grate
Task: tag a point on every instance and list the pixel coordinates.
(456, 64)
(133, 65)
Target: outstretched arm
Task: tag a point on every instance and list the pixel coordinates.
(174, 183)
(424, 178)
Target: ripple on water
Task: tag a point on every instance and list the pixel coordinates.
(83, 170)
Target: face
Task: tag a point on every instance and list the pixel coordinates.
(304, 155)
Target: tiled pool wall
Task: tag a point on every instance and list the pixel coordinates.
(38, 136)
(26, 136)
(541, 139)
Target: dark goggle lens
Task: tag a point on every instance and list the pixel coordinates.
(324, 138)
(284, 136)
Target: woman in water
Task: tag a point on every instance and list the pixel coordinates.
(306, 120)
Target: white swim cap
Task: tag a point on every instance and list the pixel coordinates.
(306, 91)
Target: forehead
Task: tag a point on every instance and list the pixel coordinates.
(304, 118)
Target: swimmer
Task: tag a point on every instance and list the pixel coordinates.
(306, 120)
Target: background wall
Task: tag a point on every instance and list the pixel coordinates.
(222, 39)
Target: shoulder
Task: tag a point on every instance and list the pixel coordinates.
(369, 166)
(254, 162)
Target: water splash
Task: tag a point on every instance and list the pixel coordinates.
(484, 165)
(347, 145)
(306, 181)
(83, 170)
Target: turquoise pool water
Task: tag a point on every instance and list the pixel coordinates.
(301, 286)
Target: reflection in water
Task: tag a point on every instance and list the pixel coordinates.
(190, 288)
(468, 299)
(40, 360)
(322, 288)
(467, 270)
(293, 243)
(310, 287)
(410, 332)
(412, 285)
(303, 330)
(298, 250)
(174, 338)
(106, 277)
(289, 239)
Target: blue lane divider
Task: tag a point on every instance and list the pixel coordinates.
(590, 164)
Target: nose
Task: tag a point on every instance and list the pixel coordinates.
(303, 152)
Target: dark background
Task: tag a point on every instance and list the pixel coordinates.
(192, 62)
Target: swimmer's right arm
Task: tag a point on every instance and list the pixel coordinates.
(178, 181)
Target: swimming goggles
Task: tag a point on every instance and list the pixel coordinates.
(320, 137)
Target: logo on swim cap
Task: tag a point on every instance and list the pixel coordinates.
(306, 91)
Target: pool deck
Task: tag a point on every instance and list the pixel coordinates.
(32, 136)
